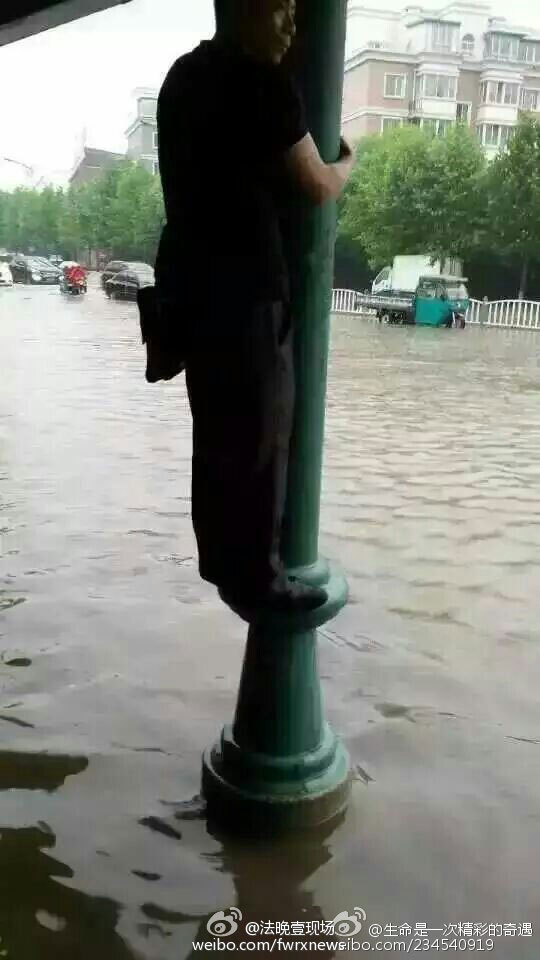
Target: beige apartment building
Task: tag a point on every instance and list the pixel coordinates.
(438, 67)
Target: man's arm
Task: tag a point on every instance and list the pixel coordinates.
(318, 180)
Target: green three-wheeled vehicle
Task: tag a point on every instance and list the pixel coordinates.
(439, 301)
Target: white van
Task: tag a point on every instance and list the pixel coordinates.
(404, 274)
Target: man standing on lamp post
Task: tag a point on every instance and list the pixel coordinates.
(231, 128)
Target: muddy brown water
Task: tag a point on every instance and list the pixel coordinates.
(118, 666)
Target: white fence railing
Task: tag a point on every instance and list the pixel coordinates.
(344, 301)
(519, 314)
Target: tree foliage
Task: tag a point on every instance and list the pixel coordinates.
(412, 192)
(29, 219)
(121, 213)
(514, 197)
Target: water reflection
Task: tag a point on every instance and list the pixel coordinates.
(40, 915)
(270, 879)
(37, 771)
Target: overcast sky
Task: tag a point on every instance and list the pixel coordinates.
(82, 76)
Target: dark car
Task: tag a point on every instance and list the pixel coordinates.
(112, 268)
(126, 284)
(33, 270)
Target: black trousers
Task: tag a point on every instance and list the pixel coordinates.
(240, 380)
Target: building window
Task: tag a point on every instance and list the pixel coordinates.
(529, 99)
(155, 141)
(438, 85)
(502, 46)
(395, 85)
(511, 93)
(491, 135)
(389, 123)
(506, 134)
(467, 44)
(494, 134)
(444, 36)
(529, 52)
(155, 167)
(463, 113)
(436, 127)
(496, 91)
(443, 127)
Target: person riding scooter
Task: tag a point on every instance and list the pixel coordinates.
(73, 278)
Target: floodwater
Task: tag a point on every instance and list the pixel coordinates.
(118, 666)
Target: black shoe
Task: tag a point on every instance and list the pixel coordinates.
(284, 595)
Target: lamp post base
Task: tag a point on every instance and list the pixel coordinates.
(256, 793)
(279, 766)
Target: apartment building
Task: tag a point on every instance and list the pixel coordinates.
(92, 164)
(142, 135)
(438, 67)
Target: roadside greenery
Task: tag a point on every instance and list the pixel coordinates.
(120, 213)
(415, 193)
(514, 199)
(409, 193)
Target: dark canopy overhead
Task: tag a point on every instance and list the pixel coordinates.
(23, 18)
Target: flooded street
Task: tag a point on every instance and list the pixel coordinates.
(118, 665)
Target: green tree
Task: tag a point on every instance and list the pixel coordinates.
(4, 203)
(68, 227)
(38, 214)
(136, 213)
(29, 219)
(120, 212)
(22, 219)
(80, 224)
(412, 192)
(514, 198)
(106, 192)
(152, 220)
(50, 206)
(87, 206)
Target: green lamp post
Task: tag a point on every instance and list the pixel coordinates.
(279, 765)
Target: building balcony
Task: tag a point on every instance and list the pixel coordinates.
(433, 107)
(499, 113)
(438, 51)
(137, 120)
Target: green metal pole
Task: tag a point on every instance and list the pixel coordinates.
(279, 765)
(319, 59)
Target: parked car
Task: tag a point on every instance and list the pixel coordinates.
(33, 270)
(126, 284)
(6, 280)
(115, 266)
(48, 264)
